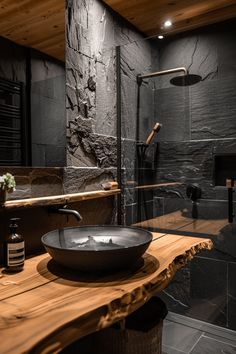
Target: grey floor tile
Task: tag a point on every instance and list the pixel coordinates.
(179, 337)
(208, 345)
(221, 339)
(169, 350)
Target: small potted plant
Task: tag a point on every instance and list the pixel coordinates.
(7, 185)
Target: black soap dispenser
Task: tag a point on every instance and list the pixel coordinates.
(14, 249)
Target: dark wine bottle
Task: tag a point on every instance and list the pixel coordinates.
(14, 249)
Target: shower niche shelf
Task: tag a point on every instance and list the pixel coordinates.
(224, 168)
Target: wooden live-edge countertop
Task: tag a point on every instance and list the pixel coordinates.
(176, 221)
(57, 199)
(45, 307)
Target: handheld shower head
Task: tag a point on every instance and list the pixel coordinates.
(155, 129)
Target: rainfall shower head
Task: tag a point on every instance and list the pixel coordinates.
(185, 80)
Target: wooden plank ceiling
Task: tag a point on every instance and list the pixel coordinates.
(149, 15)
(39, 24)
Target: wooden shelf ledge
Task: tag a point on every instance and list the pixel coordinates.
(160, 185)
(57, 199)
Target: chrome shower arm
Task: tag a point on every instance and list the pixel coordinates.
(163, 72)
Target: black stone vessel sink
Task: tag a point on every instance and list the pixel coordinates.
(97, 248)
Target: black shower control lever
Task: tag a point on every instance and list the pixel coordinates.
(194, 192)
(230, 185)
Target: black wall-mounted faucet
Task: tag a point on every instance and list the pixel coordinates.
(65, 211)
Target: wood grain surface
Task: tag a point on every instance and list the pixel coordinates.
(35, 24)
(149, 15)
(56, 199)
(177, 221)
(45, 307)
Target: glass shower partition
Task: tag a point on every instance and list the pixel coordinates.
(168, 184)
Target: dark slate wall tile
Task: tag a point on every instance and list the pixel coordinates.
(192, 162)
(55, 155)
(12, 61)
(48, 122)
(224, 146)
(232, 296)
(105, 93)
(136, 58)
(171, 109)
(128, 154)
(130, 194)
(198, 53)
(146, 114)
(213, 109)
(225, 242)
(208, 291)
(226, 49)
(186, 162)
(177, 294)
(131, 214)
(129, 92)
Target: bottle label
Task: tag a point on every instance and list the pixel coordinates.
(15, 254)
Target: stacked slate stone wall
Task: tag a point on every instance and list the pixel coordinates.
(93, 31)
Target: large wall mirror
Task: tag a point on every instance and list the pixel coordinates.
(32, 83)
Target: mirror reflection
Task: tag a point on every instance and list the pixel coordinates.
(32, 85)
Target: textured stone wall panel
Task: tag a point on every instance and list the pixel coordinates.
(92, 33)
(213, 109)
(172, 109)
(136, 58)
(198, 53)
(106, 93)
(82, 179)
(129, 92)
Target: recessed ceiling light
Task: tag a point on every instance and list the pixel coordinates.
(160, 37)
(167, 23)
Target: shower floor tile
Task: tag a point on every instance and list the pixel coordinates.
(179, 337)
(208, 345)
(196, 337)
